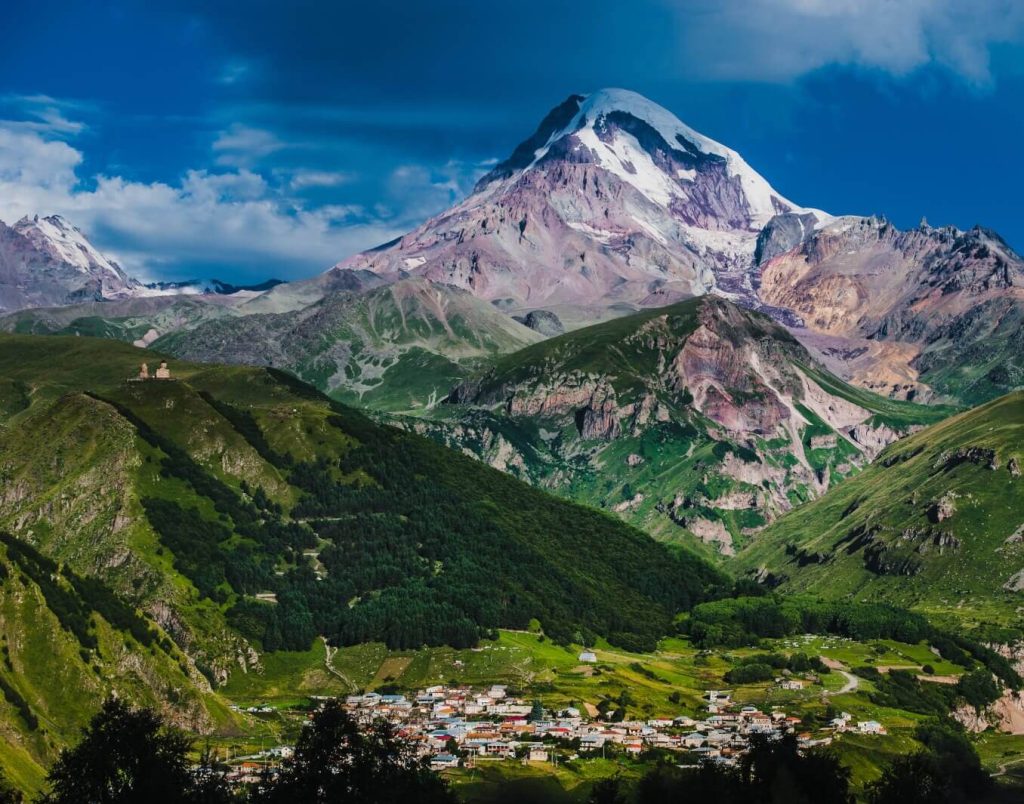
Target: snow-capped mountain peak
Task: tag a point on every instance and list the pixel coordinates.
(56, 237)
(49, 262)
(646, 146)
(611, 199)
(763, 199)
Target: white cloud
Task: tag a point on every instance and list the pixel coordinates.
(45, 115)
(231, 218)
(242, 146)
(777, 40)
(304, 179)
(29, 160)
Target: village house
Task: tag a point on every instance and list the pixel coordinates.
(537, 755)
(592, 742)
(693, 739)
(442, 761)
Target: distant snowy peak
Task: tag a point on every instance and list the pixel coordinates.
(196, 287)
(48, 262)
(58, 239)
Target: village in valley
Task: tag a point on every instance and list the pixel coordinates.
(462, 726)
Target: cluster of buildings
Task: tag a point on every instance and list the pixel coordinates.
(460, 726)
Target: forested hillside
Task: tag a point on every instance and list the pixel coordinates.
(231, 511)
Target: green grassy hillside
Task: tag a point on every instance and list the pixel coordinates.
(978, 357)
(699, 422)
(936, 523)
(241, 512)
(399, 347)
(67, 642)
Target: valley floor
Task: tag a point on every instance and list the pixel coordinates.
(668, 683)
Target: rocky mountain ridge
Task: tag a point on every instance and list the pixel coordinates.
(48, 262)
(399, 346)
(936, 521)
(700, 417)
(900, 311)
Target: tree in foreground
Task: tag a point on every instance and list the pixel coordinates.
(772, 772)
(129, 756)
(946, 771)
(336, 760)
(9, 794)
(607, 791)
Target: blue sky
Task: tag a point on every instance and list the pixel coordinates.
(251, 139)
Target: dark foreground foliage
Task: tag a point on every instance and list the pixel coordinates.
(773, 772)
(130, 756)
(946, 771)
(335, 760)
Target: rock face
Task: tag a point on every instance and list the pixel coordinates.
(943, 508)
(896, 310)
(1006, 715)
(611, 199)
(542, 321)
(48, 262)
(713, 411)
(781, 234)
(1016, 582)
(718, 375)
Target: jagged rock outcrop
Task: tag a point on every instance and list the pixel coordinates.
(543, 321)
(874, 438)
(942, 508)
(781, 234)
(1006, 715)
(1016, 582)
(979, 456)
